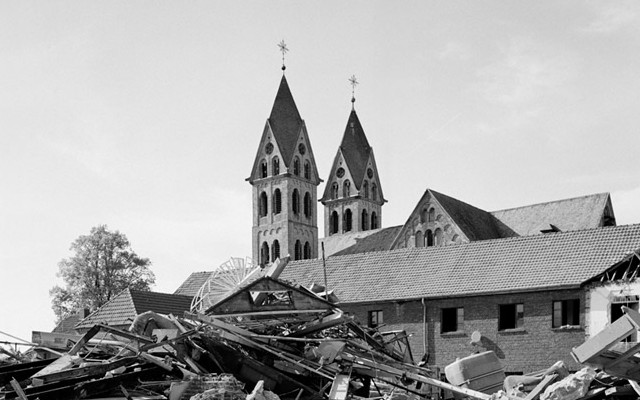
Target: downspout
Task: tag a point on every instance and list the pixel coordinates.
(424, 327)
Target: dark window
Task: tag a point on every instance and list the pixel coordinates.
(264, 254)
(617, 302)
(364, 220)
(298, 251)
(346, 188)
(365, 190)
(333, 223)
(334, 190)
(452, 320)
(263, 204)
(375, 318)
(307, 205)
(511, 316)
(276, 166)
(374, 220)
(307, 170)
(429, 238)
(307, 251)
(295, 202)
(275, 250)
(296, 166)
(347, 220)
(263, 169)
(374, 192)
(566, 312)
(277, 202)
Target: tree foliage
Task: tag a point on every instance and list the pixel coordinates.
(103, 265)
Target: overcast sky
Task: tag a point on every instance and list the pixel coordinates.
(146, 116)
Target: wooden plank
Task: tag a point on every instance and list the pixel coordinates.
(540, 387)
(88, 371)
(603, 340)
(340, 387)
(633, 315)
(18, 389)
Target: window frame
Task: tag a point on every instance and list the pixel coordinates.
(564, 313)
(510, 312)
(375, 318)
(459, 319)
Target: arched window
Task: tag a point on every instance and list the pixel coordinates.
(419, 239)
(432, 215)
(347, 220)
(423, 215)
(429, 238)
(275, 250)
(263, 169)
(333, 223)
(264, 254)
(307, 250)
(346, 188)
(275, 166)
(277, 202)
(374, 192)
(334, 190)
(263, 204)
(365, 190)
(307, 170)
(296, 166)
(295, 202)
(438, 237)
(364, 220)
(298, 251)
(307, 205)
(374, 220)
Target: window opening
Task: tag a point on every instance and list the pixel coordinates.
(307, 205)
(429, 238)
(567, 312)
(374, 192)
(375, 318)
(365, 189)
(264, 254)
(307, 170)
(374, 220)
(452, 320)
(296, 166)
(298, 250)
(334, 222)
(275, 250)
(347, 220)
(295, 202)
(277, 202)
(334, 190)
(307, 251)
(276, 166)
(263, 204)
(346, 188)
(364, 220)
(511, 316)
(263, 169)
(419, 239)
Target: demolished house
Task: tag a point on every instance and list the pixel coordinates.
(258, 336)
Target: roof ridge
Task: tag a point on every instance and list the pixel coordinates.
(552, 201)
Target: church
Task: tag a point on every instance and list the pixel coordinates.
(456, 278)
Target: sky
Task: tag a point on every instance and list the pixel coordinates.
(146, 116)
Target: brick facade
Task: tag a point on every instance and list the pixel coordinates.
(533, 347)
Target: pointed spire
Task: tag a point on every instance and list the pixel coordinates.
(285, 121)
(355, 148)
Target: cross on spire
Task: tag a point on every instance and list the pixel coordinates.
(283, 49)
(354, 83)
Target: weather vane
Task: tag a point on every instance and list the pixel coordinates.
(354, 83)
(283, 49)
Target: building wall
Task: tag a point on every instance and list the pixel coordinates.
(533, 347)
(599, 300)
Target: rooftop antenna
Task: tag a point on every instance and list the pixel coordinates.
(283, 49)
(354, 83)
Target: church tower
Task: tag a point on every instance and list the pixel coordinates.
(285, 186)
(353, 197)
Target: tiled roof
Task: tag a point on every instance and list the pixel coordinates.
(477, 224)
(355, 149)
(568, 215)
(123, 308)
(554, 260)
(193, 283)
(285, 121)
(68, 323)
(378, 240)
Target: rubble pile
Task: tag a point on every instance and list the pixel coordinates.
(270, 340)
